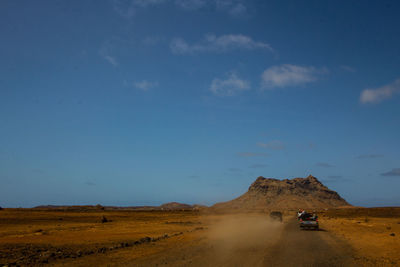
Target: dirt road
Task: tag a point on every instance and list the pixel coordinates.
(307, 248)
(251, 242)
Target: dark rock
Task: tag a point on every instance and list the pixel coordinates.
(104, 219)
(145, 239)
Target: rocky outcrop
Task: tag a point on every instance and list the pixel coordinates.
(270, 193)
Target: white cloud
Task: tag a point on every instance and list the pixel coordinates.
(324, 165)
(289, 75)
(190, 4)
(145, 85)
(229, 87)
(238, 10)
(379, 94)
(145, 3)
(233, 7)
(105, 52)
(213, 43)
(152, 40)
(124, 8)
(127, 8)
(348, 68)
(111, 60)
(274, 145)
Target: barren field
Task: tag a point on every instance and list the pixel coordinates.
(190, 238)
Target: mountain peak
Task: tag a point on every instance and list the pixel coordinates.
(271, 193)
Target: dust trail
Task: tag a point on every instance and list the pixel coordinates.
(243, 238)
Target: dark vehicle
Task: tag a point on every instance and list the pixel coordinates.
(276, 216)
(308, 221)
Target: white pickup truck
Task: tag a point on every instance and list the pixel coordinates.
(308, 221)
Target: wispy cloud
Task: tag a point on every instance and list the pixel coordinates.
(288, 75)
(145, 3)
(213, 43)
(258, 166)
(238, 10)
(393, 172)
(324, 165)
(274, 145)
(124, 8)
(105, 52)
(89, 183)
(233, 7)
(252, 154)
(348, 68)
(377, 95)
(128, 8)
(230, 86)
(152, 40)
(191, 4)
(145, 85)
(112, 60)
(369, 156)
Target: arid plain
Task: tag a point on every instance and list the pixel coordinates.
(97, 237)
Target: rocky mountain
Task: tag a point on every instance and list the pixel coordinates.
(270, 193)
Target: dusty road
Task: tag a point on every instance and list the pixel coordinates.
(251, 242)
(307, 248)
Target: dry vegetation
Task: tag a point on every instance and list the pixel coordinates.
(373, 233)
(33, 237)
(146, 238)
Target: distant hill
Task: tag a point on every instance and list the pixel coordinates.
(171, 206)
(270, 193)
(175, 206)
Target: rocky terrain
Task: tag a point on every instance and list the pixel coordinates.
(270, 193)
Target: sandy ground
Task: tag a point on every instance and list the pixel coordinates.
(31, 237)
(376, 241)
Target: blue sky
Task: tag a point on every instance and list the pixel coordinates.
(143, 102)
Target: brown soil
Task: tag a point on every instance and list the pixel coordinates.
(178, 238)
(373, 233)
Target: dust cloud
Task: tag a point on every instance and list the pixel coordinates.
(243, 237)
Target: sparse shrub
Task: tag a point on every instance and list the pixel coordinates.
(1, 208)
(104, 219)
(366, 219)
